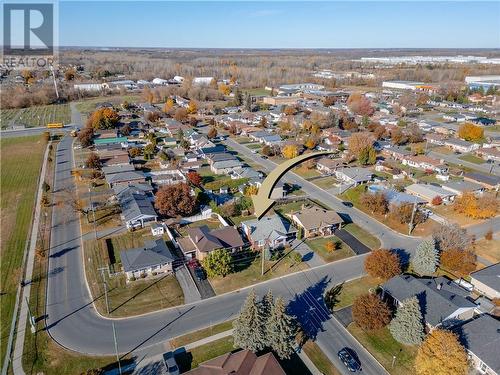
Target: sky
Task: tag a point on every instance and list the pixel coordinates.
(281, 24)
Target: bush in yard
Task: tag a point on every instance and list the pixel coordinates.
(476, 207)
(45, 187)
(441, 354)
(218, 263)
(489, 235)
(407, 326)
(437, 200)
(403, 214)
(93, 161)
(370, 312)
(194, 178)
(296, 257)
(382, 263)
(426, 258)
(85, 136)
(376, 203)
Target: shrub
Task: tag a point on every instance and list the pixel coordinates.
(370, 312)
(383, 264)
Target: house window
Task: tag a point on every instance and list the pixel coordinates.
(482, 367)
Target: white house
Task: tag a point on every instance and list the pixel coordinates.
(152, 259)
(460, 145)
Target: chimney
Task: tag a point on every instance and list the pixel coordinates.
(439, 286)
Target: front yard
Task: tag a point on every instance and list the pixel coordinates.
(383, 347)
(472, 159)
(489, 250)
(127, 299)
(248, 272)
(347, 292)
(319, 245)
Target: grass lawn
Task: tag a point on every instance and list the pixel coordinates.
(324, 182)
(319, 359)
(201, 334)
(248, 272)
(383, 347)
(472, 159)
(319, 247)
(306, 172)
(21, 162)
(37, 115)
(347, 292)
(488, 249)
(254, 146)
(242, 140)
(494, 128)
(212, 223)
(286, 208)
(200, 354)
(133, 298)
(443, 150)
(236, 220)
(258, 91)
(368, 239)
(452, 216)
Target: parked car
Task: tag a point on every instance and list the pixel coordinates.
(170, 363)
(200, 273)
(264, 157)
(193, 263)
(349, 359)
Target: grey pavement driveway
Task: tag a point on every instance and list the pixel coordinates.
(356, 245)
(308, 255)
(188, 286)
(344, 316)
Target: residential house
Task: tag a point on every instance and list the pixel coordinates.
(489, 153)
(243, 362)
(317, 221)
(170, 176)
(126, 177)
(329, 166)
(435, 139)
(245, 172)
(136, 207)
(395, 197)
(205, 151)
(108, 171)
(396, 152)
(489, 181)
(460, 187)
(273, 231)
(487, 281)
(481, 339)
(425, 163)
(109, 158)
(443, 302)
(151, 259)
(354, 175)
(429, 192)
(460, 145)
(157, 229)
(225, 166)
(223, 156)
(200, 241)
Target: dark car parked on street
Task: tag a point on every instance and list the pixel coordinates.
(349, 359)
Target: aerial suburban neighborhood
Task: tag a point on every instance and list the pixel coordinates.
(251, 207)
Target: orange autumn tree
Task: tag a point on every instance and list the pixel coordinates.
(476, 207)
(441, 354)
(290, 151)
(471, 132)
(461, 262)
(103, 118)
(383, 264)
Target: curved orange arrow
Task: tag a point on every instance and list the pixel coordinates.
(261, 202)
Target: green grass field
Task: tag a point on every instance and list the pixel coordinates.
(472, 159)
(21, 162)
(87, 106)
(319, 247)
(36, 116)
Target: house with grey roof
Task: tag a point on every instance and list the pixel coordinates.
(136, 207)
(460, 187)
(226, 166)
(487, 281)
(460, 145)
(442, 302)
(118, 169)
(489, 181)
(481, 338)
(354, 175)
(428, 192)
(125, 177)
(200, 241)
(151, 259)
(273, 231)
(245, 172)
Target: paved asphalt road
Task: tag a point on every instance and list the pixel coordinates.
(454, 159)
(72, 321)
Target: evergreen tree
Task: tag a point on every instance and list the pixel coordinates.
(281, 330)
(407, 326)
(248, 327)
(426, 258)
(248, 102)
(266, 309)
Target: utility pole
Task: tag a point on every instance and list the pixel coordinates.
(93, 210)
(105, 287)
(410, 225)
(55, 83)
(116, 348)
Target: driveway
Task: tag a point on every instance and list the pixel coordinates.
(308, 255)
(204, 287)
(188, 286)
(344, 316)
(356, 245)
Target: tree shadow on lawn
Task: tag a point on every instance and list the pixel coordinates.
(310, 309)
